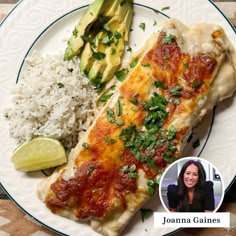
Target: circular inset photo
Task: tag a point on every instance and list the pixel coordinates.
(191, 184)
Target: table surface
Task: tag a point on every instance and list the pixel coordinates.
(15, 222)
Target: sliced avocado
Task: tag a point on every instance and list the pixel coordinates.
(105, 34)
(113, 60)
(76, 42)
(97, 68)
(86, 59)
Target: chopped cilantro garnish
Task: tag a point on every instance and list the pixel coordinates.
(91, 169)
(196, 143)
(166, 57)
(129, 49)
(145, 213)
(175, 101)
(134, 63)
(85, 145)
(111, 116)
(133, 175)
(176, 90)
(196, 84)
(60, 85)
(159, 83)
(105, 98)
(133, 99)
(75, 32)
(168, 39)
(121, 74)
(165, 8)
(87, 39)
(142, 26)
(117, 35)
(186, 65)
(151, 187)
(98, 55)
(146, 65)
(106, 27)
(120, 122)
(171, 133)
(119, 109)
(109, 140)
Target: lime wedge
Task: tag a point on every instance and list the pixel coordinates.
(38, 154)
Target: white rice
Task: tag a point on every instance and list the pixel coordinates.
(53, 99)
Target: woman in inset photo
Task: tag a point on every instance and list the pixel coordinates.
(192, 192)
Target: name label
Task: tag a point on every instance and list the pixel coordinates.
(213, 220)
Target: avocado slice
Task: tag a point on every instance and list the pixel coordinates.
(102, 42)
(75, 42)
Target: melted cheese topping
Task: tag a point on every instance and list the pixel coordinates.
(168, 91)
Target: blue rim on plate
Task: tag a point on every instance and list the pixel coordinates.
(39, 36)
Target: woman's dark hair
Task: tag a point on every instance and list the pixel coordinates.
(198, 189)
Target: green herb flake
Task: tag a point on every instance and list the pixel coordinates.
(154, 23)
(176, 90)
(106, 27)
(98, 55)
(106, 40)
(120, 122)
(129, 49)
(171, 133)
(186, 65)
(121, 74)
(196, 144)
(133, 175)
(166, 57)
(151, 187)
(91, 169)
(133, 99)
(159, 83)
(168, 39)
(146, 65)
(87, 39)
(60, 85)
(132, 168)
(196, 84)
(125, 169)
(113, 87)
(145, 213)
(142, 26)
(111, 116)
(165, 8)
(75, 32)
(117, 35)
(175, 101)
(119, 109)
(134, 63)
(190, 138)
(105, 98)
(109, 140)
(85, 145)
(70, 69)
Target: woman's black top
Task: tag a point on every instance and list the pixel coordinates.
(207, 202)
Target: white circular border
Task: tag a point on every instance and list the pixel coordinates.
(185, 159)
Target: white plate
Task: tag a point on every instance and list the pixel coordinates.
(44, 25)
